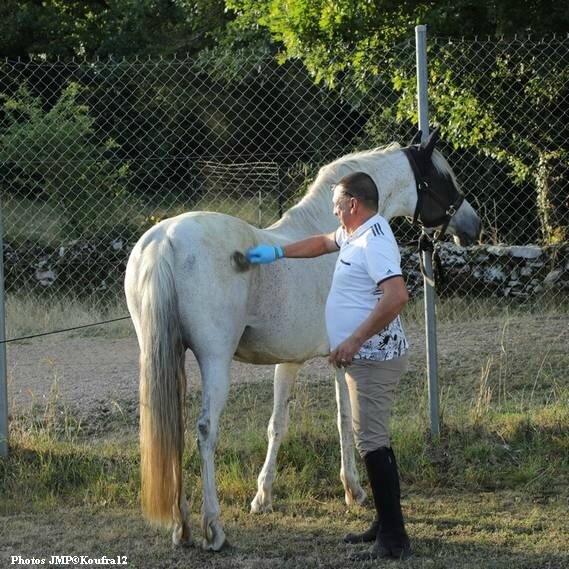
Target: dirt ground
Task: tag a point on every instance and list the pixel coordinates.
(90, 372)
(449, 529)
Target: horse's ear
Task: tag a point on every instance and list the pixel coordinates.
(417, 138)
(431, 142)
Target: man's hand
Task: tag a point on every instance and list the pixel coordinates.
(342, 356)
(263, 254)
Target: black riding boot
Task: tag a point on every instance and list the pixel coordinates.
(366, 536)
(391, 541)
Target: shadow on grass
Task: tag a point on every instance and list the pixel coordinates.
(290, 539)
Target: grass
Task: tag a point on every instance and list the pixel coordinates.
(27, 315)
(491, 492)
(44, 221)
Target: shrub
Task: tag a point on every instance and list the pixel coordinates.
(56, 151)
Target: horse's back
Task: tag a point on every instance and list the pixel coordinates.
(267, 314)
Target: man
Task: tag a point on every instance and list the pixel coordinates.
(366, 337)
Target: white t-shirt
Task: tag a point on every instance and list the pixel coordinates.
(368, 257)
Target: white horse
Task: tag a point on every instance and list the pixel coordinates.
(184, 291)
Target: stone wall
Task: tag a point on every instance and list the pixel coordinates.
(96, 267)
(91, 267)
(488, 270)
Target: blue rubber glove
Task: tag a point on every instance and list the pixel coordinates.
(263, 254)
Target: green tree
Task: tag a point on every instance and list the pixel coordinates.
(56, 151)
(354, 44)
(104, 28)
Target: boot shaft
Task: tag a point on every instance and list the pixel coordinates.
(384, 480)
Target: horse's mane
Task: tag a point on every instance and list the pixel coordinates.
(443, 167)
(320, 189)
(353, 162)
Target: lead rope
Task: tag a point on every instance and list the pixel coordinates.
(426, 245)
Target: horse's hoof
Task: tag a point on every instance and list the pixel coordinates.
(359, 499)
(258, 507)
(182, 538)
(215, 538)
(215, 547)
(183, 543)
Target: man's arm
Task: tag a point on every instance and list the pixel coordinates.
(311, 247)
(395, 297)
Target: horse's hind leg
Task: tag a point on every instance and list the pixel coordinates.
(285, 376)
(354, 493)
(181, 535)
(215, 381)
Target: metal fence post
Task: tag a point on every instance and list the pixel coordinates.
(3, 374)
(429, 292)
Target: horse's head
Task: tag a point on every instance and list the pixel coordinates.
(440, 203)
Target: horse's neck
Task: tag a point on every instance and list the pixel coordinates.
(311, 216)
(314, 214)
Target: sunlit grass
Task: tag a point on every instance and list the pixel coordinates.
(491, 489)
(43, 221)
(28, 315)
(54, 452)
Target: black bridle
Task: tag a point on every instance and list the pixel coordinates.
(444, 202)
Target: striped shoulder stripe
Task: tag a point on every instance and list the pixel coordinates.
(376, 229)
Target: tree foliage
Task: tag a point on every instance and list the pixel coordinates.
(355, 43)
(57, 157)
(117, 28)
(362, 48)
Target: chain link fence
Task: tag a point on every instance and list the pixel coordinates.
(93, 153)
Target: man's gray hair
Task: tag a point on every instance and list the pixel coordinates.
(361, 186)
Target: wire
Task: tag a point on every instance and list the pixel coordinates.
(63, 330)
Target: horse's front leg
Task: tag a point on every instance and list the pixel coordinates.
(285, 376)
(354, 493)
(215, 381)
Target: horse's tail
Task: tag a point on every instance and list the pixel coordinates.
(162, 387)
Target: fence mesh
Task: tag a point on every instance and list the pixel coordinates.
(93, 153)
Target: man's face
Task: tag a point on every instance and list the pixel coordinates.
(343, 205)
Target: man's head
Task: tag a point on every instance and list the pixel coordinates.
(355, 200)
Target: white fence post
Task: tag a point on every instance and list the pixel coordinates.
(429, 291)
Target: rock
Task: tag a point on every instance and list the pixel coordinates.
(498, 251)
(117, 244)
(494, 274)
(525, 252)
(45, 277)
(552, 278)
